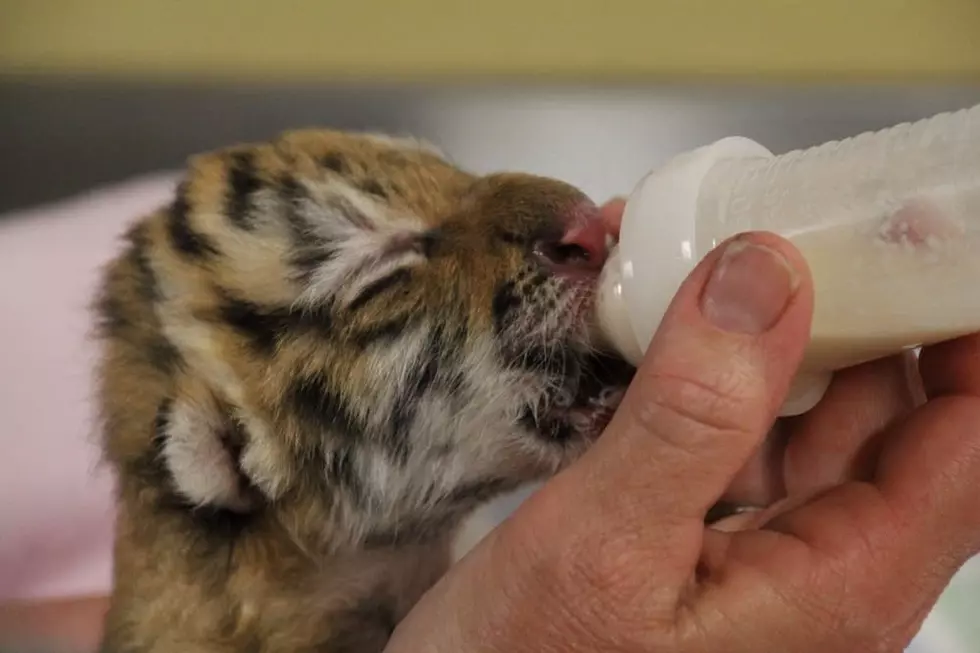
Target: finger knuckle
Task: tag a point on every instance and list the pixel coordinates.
(680, 406)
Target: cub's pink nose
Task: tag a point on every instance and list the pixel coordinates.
(581, 249)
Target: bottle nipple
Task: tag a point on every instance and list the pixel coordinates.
(613, 329)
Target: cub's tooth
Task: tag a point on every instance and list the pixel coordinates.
(580, 421)
(564, 399)
(610, 396)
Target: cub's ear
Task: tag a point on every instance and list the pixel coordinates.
(201, 444)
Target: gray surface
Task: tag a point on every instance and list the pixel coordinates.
(57, 138)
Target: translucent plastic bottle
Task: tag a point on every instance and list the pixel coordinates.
(889, 223)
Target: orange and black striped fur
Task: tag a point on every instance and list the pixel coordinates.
(322, 355)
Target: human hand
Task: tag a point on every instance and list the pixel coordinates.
(870, 500)
(834, 442)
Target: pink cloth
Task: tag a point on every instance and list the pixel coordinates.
(55, 498)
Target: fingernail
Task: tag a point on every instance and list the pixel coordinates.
(749, 288)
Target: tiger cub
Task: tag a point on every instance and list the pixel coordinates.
(322, 355)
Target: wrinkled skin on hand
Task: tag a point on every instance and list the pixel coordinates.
(867, 505)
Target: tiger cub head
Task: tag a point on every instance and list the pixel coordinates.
(353, 332)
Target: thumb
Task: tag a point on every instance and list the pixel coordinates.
(711, 383)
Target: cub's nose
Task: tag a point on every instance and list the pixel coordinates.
(581, 248)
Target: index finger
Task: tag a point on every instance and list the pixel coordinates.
(918, 520)
(932, 471)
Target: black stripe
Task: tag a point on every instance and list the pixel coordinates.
(139, 239)
(505, 302)
(397, 442)
(184, 239)
(347, 211)
(242, 183)
(117, 319)
(292, 194)
(428, 243)
(317, 405)
(307, 260)
(162, 354)
(308, 253)
(317, 320)
(111, 319)
(373, 187)
(161, 422)
(383, 332)
(340, 469)
(453, 340)
(426, 378)
(399, 277)
(262, 328)
(264, 325)
(290, 188)
(334, 162)
(405, 406)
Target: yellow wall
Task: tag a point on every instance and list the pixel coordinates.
(811, 40)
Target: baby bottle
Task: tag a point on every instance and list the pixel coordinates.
(888, 222)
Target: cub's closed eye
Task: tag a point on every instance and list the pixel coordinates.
(393, 273)
(387, 283)
(424, 244)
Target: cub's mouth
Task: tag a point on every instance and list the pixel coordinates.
(582, 409)
(591, 381)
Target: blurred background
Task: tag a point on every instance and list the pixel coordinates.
(101, 100)
(596, 92)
